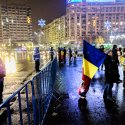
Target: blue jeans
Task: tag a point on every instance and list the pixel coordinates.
(108, 91)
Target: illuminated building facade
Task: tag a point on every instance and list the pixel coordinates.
(15, 26)
(54, 33)
(91, 19)
(87, 19)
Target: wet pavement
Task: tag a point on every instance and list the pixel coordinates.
(93, 110)
(25, 70)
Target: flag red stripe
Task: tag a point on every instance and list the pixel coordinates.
(86, 80)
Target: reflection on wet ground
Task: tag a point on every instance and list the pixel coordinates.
(21, 55)
(93, 110)
(13, 59)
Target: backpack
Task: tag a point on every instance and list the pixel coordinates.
(2, 69)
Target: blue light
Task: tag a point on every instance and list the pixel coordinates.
(100, 0)
(73, 1)
(120, 0)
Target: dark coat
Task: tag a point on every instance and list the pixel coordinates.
(64, 52)
(115, 56)
(110, 71)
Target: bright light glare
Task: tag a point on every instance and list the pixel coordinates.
(10, 65)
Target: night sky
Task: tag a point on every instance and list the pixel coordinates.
(45, 9)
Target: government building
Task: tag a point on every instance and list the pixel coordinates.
(88, 19)
(15, 26)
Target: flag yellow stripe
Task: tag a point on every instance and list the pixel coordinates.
(89, 68)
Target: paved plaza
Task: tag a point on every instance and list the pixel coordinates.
(93, 110)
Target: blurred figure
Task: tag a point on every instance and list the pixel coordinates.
(109, 76)
(2, 75)
(115, 58)
(37, 59)
(70, 55)
(64, 55)
(59, 55)
(75, 55)
(51, 53)
(101, 48)
(123, 69)
(123, 50)
(119, 51)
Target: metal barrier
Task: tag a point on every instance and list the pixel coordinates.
(32, 99)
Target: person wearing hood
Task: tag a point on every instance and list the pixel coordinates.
(37, 59)
(115, 57)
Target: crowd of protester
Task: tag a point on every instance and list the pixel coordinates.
(63, 53)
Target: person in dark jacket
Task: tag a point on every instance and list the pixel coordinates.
(37, 59)
(59, 55)
(51, 53)
(70, 55)
(109, 76)
(75, 55)
(115, 58)
(64, 54)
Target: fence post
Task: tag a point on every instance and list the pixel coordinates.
(34, 103)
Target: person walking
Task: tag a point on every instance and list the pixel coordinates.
(64, 55)
(2, 75)
(115, 58)
(59, 55)
(37, 59)
(109, 76)
(51, 53)
(75, 55)
(70, 55)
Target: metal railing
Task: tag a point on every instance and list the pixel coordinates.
(32, 99)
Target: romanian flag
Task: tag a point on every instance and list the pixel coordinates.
(92, 60)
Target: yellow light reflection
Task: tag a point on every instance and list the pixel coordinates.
(10, 65)
(28, 57)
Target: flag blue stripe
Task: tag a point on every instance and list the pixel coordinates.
(93, 55)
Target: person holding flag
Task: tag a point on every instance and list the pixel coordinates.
(110, 76)
(92, 60)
